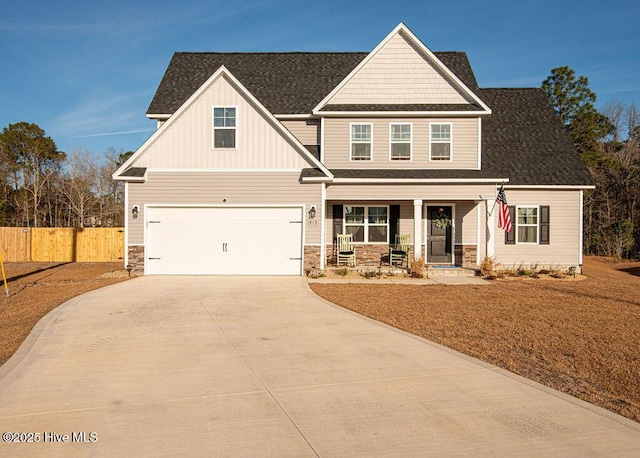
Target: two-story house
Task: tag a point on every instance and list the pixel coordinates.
(261, 159)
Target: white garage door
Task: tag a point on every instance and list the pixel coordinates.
(223, 241)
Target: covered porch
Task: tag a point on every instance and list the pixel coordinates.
(446, 232)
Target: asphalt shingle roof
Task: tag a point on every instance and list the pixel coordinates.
(285, 83)
(523, 139)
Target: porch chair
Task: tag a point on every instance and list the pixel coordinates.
(399, 251)
(346, 251)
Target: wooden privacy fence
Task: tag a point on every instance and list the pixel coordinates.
(62, 244)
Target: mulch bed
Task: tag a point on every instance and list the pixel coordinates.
(579, 337)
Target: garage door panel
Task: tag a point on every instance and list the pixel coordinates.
(240, 240)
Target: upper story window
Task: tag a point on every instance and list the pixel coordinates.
(400, 140)
(224, 127)
(361, 141)
(527, 225)
(440, 142)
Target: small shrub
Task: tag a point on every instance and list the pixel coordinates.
(556, 272)
(488, 268)
(369, 274)
(417, 268)
(522, 271)
(343, 271)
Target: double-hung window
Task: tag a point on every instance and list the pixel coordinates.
(527, 224)
(224, 127)
(440, 141)
(361, 140)
(367, 223)
(400, 139)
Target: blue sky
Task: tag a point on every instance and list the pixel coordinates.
(87, 71)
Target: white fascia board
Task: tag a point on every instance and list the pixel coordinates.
(549, 186)
(138, 179)
(404, 114)
(221, 72)
(317, 180)
(159, 116)
(421, 47)
(419, 180)
(294, 116)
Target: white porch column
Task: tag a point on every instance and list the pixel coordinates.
(417, 228)
(323, 211)
(491, 238)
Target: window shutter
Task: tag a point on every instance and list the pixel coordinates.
(337, 220)
(544, 225)
(510, 237)
(394, 219)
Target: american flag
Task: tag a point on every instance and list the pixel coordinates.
(504, 217)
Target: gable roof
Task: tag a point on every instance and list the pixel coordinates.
(129, 170)
(401, 35)
(285, 83)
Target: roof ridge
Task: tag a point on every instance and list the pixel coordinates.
(269, 52)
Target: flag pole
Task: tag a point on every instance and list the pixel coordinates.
(494, 201)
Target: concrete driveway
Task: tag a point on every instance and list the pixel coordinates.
(246, 366)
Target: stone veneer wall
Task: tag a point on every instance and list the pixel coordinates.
(311, 257)
(466, 255)
(136, 258)
(366, 255)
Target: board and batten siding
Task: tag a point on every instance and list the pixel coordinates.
(398, 73)
(564, 230)
(211, 188)
(187, 142)
(337, 147)
(306, 131)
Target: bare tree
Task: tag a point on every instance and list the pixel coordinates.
(78, 185)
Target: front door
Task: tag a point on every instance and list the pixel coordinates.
(439, 235)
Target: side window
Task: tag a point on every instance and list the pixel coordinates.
(361, 140)
(440, 139)
(527, 225)
(400, 142)
(224, 127)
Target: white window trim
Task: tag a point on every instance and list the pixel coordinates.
(516, 224)
(365, 224)
(213, 128)
(351, 159)
(450, 142)
(391, 142)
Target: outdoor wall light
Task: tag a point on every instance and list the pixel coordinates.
(134, 212)
(312, 212)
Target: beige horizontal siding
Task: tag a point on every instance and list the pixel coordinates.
(212, 188)
(398, 73)
(564, 230)
(466, 221)
(306, 131)
(337, 147)
(434, 192)
(187, 143)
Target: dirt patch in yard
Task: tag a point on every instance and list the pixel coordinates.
(579, 337)
(37, 288)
